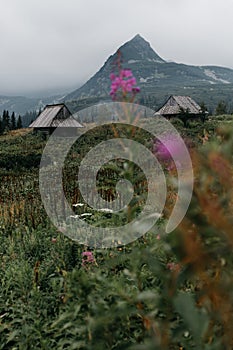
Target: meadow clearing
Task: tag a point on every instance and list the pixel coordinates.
(159, 292)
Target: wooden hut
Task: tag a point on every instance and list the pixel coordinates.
(56, 116)
(183, 107)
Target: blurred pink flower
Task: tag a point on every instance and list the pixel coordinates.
(136, 89)
(124, 82)
(87, 257)
(169, 147)
(172, 266)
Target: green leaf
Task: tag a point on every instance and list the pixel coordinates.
(196, 320)
(12, 336)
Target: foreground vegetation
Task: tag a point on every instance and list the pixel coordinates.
(161, 292)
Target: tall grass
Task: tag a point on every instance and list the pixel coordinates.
(160, 292)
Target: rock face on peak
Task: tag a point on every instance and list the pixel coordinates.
(138, 49)
(158, 78)
(136, 54)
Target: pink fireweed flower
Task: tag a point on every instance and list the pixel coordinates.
(169, 147)
(136, 89)
(172, 266)
(125, 73)
(124, 83)
(171, 151)
(87, 258)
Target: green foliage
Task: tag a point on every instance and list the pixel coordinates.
(8, 123)
(13, 121)
(196, 320)
(160, 292)
(19, 124)
(221, 108)
(29, 117)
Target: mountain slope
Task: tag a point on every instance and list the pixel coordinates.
(157, 79)
(21, 104)
(135, 53)
(153, 73)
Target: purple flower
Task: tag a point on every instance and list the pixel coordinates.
(126, 73)
(112, 76)
(172, 266)
(169, 147)
(136, 89)
(87, 257)
(124, 83)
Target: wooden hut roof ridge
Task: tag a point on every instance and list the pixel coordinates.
(52, 116)
(46, 117)
(175, 104)
(186, 102)
(66, 123)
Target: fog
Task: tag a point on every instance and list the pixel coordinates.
(54, 46)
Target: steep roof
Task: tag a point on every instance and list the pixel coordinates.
(175, 103)
(53, 116)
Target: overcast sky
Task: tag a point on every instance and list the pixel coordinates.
(58, 44)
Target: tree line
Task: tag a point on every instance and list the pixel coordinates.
(9, 122)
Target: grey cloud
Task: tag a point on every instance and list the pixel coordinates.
(53, 44)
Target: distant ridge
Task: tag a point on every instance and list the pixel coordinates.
(136, 53)
(21, 105)
(159, 78)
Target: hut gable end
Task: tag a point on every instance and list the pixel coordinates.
(53, 116)
(175, 104)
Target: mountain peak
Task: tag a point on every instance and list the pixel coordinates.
(136, 54)
(151, 72)
(138, 37)
(138, 49)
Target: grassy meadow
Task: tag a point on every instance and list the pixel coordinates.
(160, 292)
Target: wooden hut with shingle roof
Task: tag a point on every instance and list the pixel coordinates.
(55, 116)
(183, 107)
